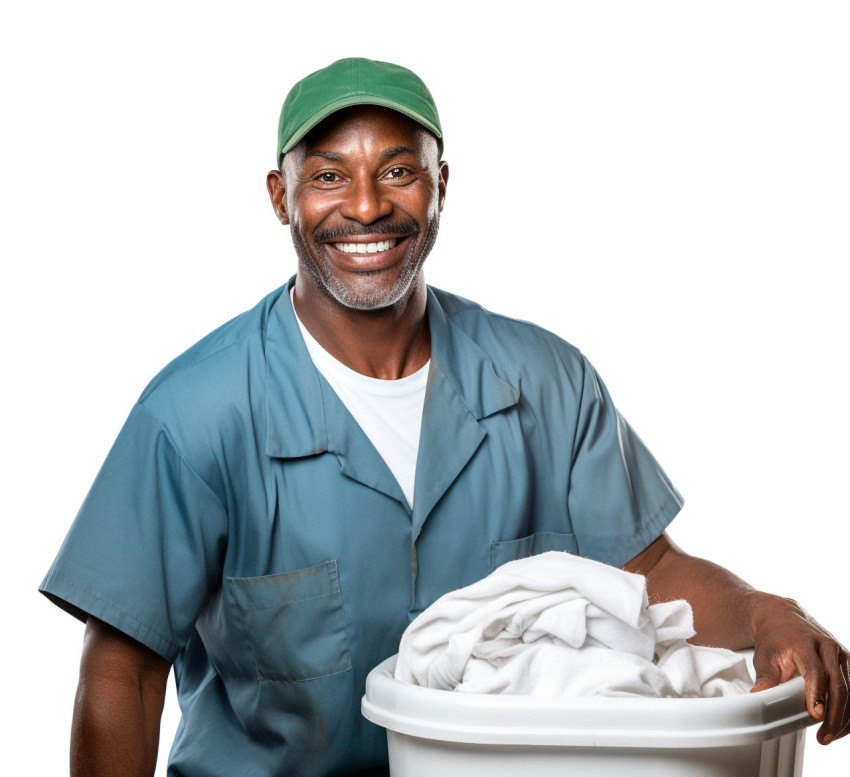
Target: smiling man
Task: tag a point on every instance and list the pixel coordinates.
(365, 248)
(291, 492)
(362, 195)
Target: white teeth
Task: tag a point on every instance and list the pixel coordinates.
(366, 248)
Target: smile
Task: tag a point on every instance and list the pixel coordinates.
(366, 248)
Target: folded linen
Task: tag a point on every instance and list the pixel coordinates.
(557, 624)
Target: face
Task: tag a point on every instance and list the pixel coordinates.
(362, 194)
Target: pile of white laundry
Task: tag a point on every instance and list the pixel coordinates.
(558, 624)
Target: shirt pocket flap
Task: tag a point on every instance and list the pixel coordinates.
(294, 623)
(534, 544)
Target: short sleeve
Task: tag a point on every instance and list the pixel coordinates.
(145, 551)
(620, 500)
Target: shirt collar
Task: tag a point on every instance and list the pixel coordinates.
(298, 408)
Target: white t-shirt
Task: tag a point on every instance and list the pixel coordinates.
(388, 411)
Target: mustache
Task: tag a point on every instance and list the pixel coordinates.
(382, 228)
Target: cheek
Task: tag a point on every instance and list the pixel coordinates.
(435, 208)
(310, 212)
(424, 206)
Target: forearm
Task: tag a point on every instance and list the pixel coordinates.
(117, 711)
(722, 603)
(727, 611)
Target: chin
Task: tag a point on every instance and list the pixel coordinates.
(371, 300)
(373, 296)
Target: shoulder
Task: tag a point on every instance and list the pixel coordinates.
(211, 398)
(213, 358)
(512, 344)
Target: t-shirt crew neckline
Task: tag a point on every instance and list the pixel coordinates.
(388, 411)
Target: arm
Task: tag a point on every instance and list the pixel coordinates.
(115, 730)
(729, 613)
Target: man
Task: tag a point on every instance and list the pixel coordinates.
(291, 492)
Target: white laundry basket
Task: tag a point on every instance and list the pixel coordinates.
(434, 733)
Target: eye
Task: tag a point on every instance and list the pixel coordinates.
(328, 177)
(397, 172)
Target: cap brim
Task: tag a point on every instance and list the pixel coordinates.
(359, 99)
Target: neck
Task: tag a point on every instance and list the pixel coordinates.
(390, 343)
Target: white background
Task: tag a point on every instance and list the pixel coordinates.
(666, 184)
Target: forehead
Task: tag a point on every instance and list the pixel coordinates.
(366, 130)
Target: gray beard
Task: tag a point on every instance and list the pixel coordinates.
(362, 298)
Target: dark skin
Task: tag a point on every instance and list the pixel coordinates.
(363, 170)
(118, 707)
(729, 613)
(355, 177)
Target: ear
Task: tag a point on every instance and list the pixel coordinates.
(277, 193)
(444, 180)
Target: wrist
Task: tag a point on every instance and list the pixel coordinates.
(769, 611)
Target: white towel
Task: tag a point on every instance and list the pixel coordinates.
(558, 624)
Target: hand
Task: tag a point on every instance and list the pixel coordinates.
(788, 641)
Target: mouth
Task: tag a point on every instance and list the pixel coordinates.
(377, 247)
(368, 253)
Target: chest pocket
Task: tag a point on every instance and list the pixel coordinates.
(533, 545)
(294, 623)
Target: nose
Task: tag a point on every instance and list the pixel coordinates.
(365, 201)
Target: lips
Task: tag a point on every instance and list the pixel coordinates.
(367, 253)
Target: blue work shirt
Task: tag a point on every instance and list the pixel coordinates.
(244, 527)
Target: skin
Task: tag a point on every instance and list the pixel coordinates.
(729, 613)
(366, 174)
(118, 706)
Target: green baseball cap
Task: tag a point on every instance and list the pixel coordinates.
(354, 81)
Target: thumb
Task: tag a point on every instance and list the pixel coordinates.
(765, 679)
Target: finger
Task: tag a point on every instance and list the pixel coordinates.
(843, 733)
(764, 681)
(772, 668)
(836, 714)
(816, 688)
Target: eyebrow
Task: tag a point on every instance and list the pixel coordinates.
(392, 151)
(329, 155)
(387, 153)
